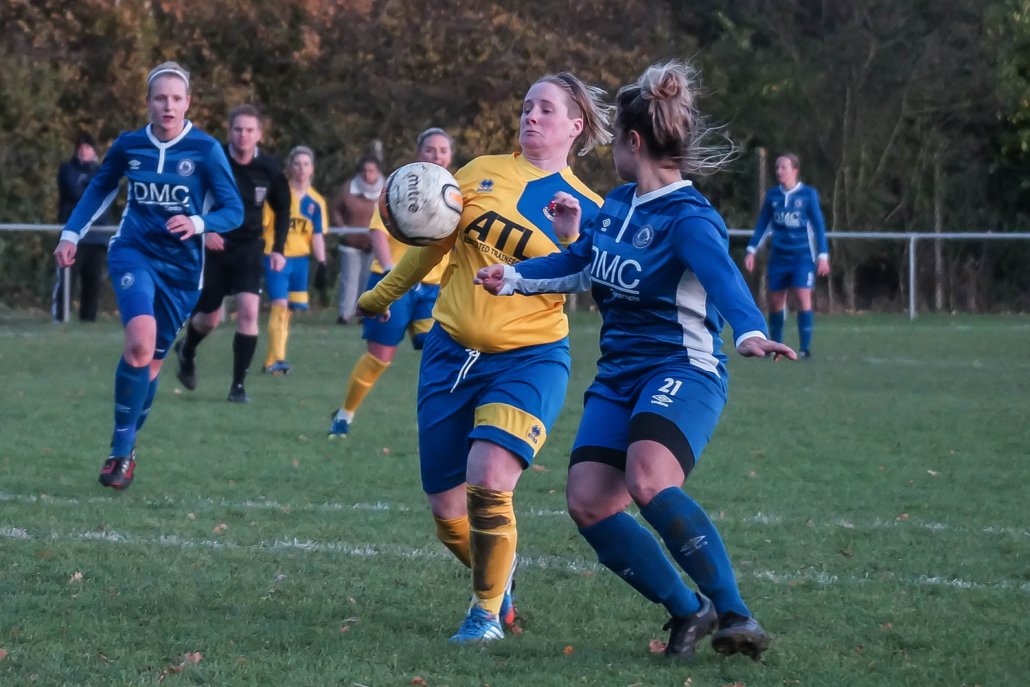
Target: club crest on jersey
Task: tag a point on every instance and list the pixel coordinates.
(797, 202)
(127, 280)
(485, 186)
(259, 194)
(643, 237)
(605, 223)
(185, 168)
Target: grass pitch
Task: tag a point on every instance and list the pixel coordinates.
(874, 501)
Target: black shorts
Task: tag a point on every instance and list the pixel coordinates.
(239, 268)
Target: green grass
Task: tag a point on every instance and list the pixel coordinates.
(873, 499)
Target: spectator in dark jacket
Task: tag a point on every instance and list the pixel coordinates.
(72, 179)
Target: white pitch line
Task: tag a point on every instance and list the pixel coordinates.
(577, 565)
(758, 518)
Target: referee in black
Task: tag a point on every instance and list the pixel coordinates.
(234, 260)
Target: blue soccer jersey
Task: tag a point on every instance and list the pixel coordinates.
(188, 175)
(662, 277)
(795, 222)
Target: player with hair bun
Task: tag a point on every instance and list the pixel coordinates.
(657, 258)
(180, 186)
(494, 373)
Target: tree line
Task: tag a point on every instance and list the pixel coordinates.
(908, 115)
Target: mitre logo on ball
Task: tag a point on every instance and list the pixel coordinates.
(420, 204)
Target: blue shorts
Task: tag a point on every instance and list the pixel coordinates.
(142, 290)
(677, 405)
(411, 313)
(510, 399)
(291, 284)
(790, 275)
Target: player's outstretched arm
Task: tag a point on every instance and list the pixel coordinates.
(759, 347)
(409, 270)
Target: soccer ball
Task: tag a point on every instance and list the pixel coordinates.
(420, 204)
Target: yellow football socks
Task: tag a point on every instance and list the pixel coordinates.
(493, 538)
(455, 536)
(278, 332)
(362, 378)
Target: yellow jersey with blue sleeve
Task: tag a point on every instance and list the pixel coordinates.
(504, 220)
(397, 250)
(308, 216)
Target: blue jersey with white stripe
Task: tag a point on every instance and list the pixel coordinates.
(188, 175)
(662, 278)
(795, 223)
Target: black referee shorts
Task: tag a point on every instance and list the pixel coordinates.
(239, 268)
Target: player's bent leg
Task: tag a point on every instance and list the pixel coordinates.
(452, 522)
(364, 375)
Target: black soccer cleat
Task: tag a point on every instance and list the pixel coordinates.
(187, 372)
(237, 394)
(686, 631)
(740, 635)
(117, 471)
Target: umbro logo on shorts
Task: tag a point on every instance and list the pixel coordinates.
(661, 400)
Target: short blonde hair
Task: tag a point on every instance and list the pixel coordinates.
(586, 102)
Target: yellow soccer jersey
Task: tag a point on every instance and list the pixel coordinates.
(397, 251)
(308, 216)
(505, 220)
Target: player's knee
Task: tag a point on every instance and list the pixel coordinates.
(139, 353)
(583, 510)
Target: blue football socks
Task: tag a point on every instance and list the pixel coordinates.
(776, 320)
(630, 551)
(131, 385)
(806, 320)
(144, 413)
(697, 547)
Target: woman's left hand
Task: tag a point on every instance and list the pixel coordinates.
(758, 347)
(182, 225)
(565, 215)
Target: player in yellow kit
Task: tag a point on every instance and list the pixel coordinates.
(494, 371)
(288, 288)
(411, 313)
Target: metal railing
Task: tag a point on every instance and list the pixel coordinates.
(911, 237)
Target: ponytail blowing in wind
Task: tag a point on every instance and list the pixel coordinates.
(662, 107)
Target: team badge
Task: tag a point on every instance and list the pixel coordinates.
(549, 212)
(127, 280)
(485, 186)
(259, 194)
(643, 237)
(797, 202)
(605, 223)
(185, 168)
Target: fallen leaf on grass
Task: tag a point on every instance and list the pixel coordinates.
(568, 650)
(296, 463)
(656, 646)
(419, 680)
(752, 474)
(191, 516)
(76, 577)
(887, 626)
(933, 473)
(220, 528)
(386, 451)
(103, 659)
(193, 657)
(344, 628)
(3, 654)
(735, 684)
(902, 517)
(537, 468)
(689, 682)
(177, 391)
(516, 629)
